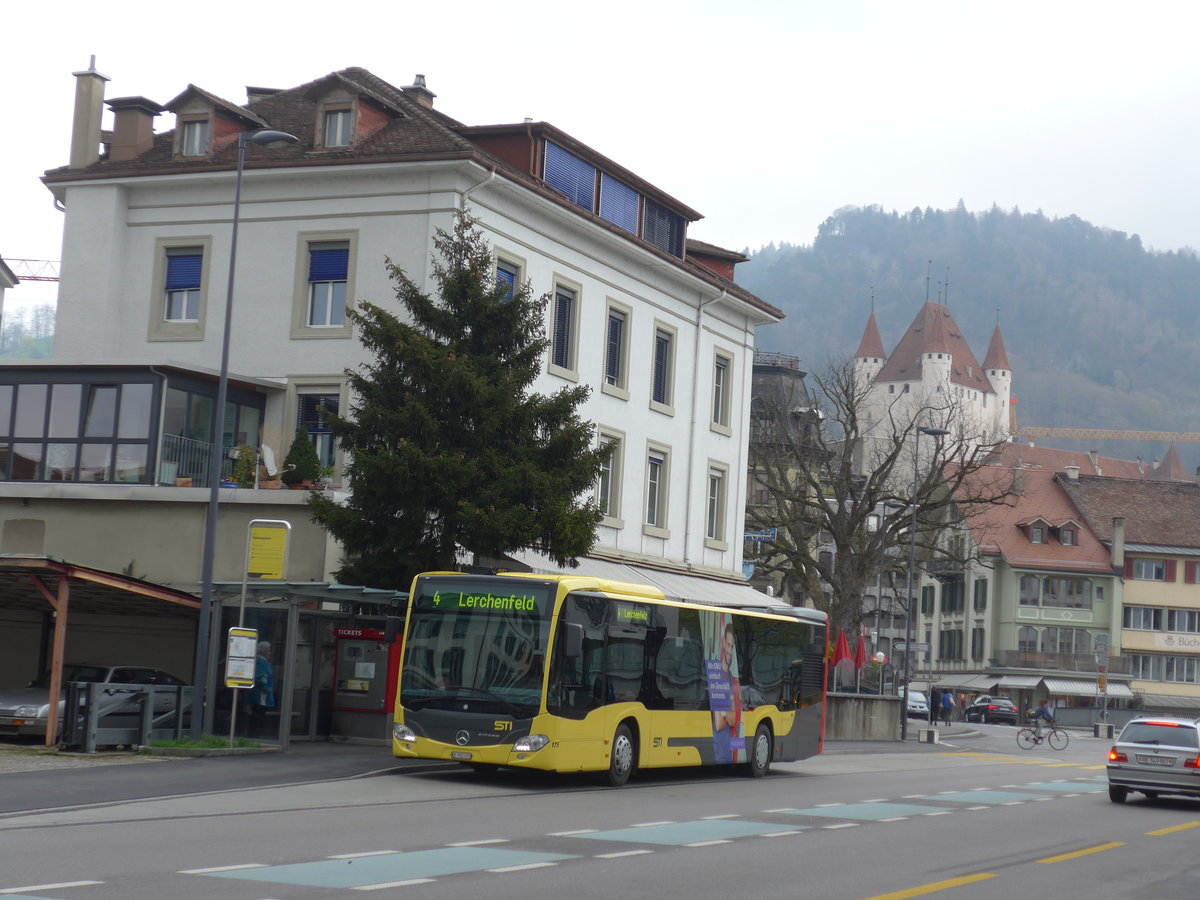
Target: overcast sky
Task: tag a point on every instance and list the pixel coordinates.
(764, 116)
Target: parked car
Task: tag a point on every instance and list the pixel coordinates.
(1155, 755)
(991, 710)
(26, 711)
(918, 705)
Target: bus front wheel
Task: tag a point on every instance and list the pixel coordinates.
(622, 761)
(760, 752)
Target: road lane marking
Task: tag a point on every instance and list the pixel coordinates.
(573, 833)
(722, 816)
(780, 834)
(1086, 851)
(621, 853)
(933, 887)
(364, 854)
(479, 843)
(1174, 828)
(650, 824)
(522, 868)
(392, 884)
(708, 843)
(47, 887)
(214, 869)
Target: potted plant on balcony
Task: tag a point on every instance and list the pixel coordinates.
(244, 466)
(301, 466)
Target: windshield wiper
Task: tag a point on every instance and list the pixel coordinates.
(484, 692)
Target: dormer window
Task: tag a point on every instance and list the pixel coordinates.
(193, 137)
(1037, 534)
(1066, 537)
(336, 127)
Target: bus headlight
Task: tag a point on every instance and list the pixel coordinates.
(403, 733)
(531, 743)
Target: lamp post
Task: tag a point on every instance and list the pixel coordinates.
(264, 138)
(912, 564)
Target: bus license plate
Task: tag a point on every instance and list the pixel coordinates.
(459, 754)
(1156, 760)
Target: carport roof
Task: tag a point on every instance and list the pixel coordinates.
(25, 582)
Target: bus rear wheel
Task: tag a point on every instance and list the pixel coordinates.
(622, 761)
(760, 752)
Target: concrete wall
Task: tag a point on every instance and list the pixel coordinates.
(862, 717)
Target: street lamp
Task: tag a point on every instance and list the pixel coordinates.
(912, 564)
(264, 138)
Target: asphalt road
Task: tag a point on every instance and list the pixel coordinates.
(974, 818)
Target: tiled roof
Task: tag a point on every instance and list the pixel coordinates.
(996, 357)
(996, 528)
(413, 133)
(934, 331)
(1155, 512)
(871, 345)
(1090, 463)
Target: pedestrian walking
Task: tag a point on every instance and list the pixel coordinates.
(948, 706)
(935, 706)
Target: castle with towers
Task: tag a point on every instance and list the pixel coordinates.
(933, 376)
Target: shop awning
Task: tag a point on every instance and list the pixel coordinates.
(1169, 701)
(1020, 682)
(969, 682)
(1085, 687)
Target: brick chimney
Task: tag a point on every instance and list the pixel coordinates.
(419, 92)
(85, 125)
(133, 126)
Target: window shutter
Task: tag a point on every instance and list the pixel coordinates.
(612, 364)
(1190, 572)
(563, 301)
(308, 411)
(508, 278)
(568, 173)
(1129, 567)
(618, 203)
(1170, 571)
(183, 270)
(662, 347)
(662, 228)
(328, 264)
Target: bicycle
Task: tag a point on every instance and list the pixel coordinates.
(1028, 738)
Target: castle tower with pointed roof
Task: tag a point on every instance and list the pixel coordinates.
(933, 368)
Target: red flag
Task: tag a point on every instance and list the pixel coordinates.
(841, 652)
(860, 653)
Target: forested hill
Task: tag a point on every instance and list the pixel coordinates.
(1100, 332)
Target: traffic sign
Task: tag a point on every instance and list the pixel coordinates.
(919, 646)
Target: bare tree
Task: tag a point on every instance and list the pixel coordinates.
(837, 469)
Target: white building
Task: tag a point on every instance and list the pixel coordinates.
(650, 320)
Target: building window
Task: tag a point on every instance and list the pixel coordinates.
(662, 228)
(950, 644)
(608, 484)
(715, 510)
(185, 266)
(1027, 639)
(615, 348)
(193, 138)
(656, 490)
(664, 364)
(618, 204)
(1150, 569)
(952, 596)
(981, 592)
(927, 600)
(1066, 537)
(1067, 593)
(1180, 669)
(336, 132)
(721, 391)
(1144, 666)
(328, 263)
(311, 416)
(76, 432)
(1031, 589)
(1066, 641)
(507, 276)
(1142, 618)
(1037, 534)
(569, 174)
(977, 643)
(562, 337)
(1185, 621)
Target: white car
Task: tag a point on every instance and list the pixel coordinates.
(26, 711)
(918, 705)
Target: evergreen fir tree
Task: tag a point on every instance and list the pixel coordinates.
(448, 447)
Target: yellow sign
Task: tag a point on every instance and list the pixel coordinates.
(240, 654)
(268, 550)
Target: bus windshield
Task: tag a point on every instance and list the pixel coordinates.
(477, 644)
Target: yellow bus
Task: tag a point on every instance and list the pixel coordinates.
(565, 673)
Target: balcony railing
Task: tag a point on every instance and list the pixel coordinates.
(1066, 662)
(181, 457)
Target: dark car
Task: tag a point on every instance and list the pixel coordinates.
(992, 709)
(1155, 755)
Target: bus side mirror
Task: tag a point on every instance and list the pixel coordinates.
(393, 628)
(572, 640)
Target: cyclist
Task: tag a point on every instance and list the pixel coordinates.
(1042, 712)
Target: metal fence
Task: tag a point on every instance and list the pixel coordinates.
(181, 457)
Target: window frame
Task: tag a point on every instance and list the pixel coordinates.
(159, 328)
(722, 392)
(309, 385)
(562, 359)
(302, 291)
(336, 110)
(502, 260)
(657, 491)
(186, 126)
(716, 507)
(620, 387)
(665, 405)
(613, 471)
